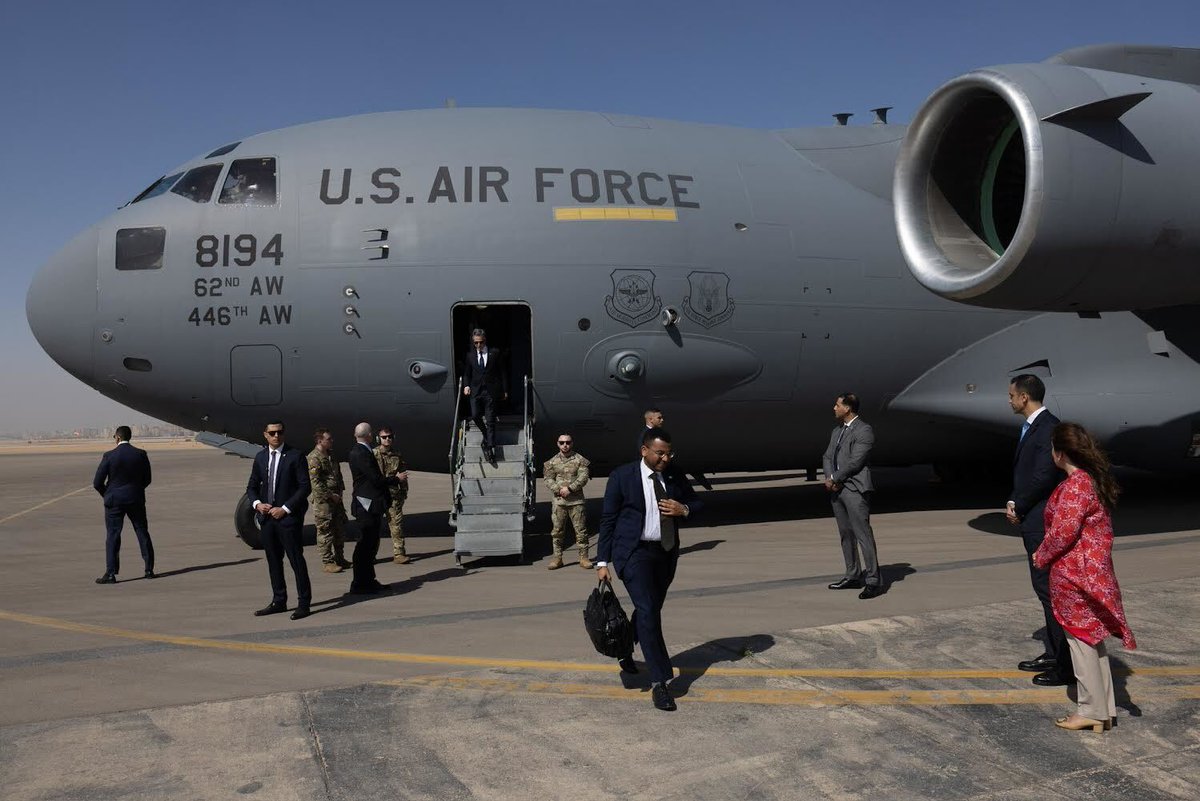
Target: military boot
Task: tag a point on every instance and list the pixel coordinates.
(556, 561)
(584, 562)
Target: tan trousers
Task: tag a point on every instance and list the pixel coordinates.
(1095, 689)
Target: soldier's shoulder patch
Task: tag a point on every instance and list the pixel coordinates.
(584, 461)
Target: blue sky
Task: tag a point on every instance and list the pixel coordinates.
(99, 99)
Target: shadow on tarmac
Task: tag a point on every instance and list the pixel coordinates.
(212, 566)
(395, 588)
(891, 574)
(695, 662)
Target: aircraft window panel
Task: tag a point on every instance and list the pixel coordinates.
(140, 248)
(157, 188)
(250, 182)
(197, 186)
(221, 151)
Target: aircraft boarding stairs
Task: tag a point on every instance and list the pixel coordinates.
(491, 505)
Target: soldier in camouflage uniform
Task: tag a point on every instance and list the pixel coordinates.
(565, 476)
(326, 500)
(392, 464)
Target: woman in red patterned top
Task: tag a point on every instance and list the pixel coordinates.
(1083, 587)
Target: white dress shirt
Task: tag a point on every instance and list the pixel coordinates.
(277, 454)
(652, 527)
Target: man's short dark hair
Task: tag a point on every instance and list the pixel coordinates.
(319, 434)
(275, 423)
(850, 401)
(1031, 385)
(385, 430)
(653, 434)
(123, 433)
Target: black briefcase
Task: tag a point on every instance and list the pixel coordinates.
(607, 624)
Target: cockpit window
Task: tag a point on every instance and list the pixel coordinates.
(158, 187)
(221, 151)
(140, 248)
(250, 182)
(199, 183)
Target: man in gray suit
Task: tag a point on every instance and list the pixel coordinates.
(848, 480)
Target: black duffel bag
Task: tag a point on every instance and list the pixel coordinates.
(606, 623)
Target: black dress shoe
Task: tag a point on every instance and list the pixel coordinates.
(1039, 665)
(871, 591)
(846, 584)
(301, 613)
(271, 609)
(150, 574)
(1052, 679)
(107, 578)
(627, 664)
(662, 698)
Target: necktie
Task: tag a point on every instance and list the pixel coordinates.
(666, 524)
(271, 479)
(481, 365)
(838, 447)
(1024, 430)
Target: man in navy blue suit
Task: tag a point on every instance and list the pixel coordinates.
(122, 478)
(643, 503)
(278, 489)
(1034, 479)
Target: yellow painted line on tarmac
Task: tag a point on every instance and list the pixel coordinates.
(776, 697)
(15, 515)
(533, 664)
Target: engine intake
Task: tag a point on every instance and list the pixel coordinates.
(1055, 188)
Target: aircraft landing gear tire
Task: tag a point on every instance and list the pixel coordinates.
(246, 525)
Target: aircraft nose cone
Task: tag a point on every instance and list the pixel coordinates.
(61, 305)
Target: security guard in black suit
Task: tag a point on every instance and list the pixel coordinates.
(122, 478)
(1034, 479)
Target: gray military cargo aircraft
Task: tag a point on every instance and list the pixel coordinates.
(331, 272)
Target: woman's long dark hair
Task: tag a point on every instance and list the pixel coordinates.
(1077, 444)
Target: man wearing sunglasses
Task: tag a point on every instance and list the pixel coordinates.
(391, 463)
(565, 476)
(279, 489)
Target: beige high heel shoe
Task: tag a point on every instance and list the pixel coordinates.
(1079, 723)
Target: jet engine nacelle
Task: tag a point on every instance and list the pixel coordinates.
(1055, 188)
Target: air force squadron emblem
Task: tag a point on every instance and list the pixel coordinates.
(708, 300)
(633, 301)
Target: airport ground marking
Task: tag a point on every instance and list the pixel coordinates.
(15, 515)
(237, 646)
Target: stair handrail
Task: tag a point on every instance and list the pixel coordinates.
(530, 468)
(456, 450)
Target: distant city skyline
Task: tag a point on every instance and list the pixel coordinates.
(101, 99)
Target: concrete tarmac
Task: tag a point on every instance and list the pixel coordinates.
(481, 683)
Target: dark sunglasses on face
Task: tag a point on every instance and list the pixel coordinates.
(564, 442)
(385, 436)
(273, 433)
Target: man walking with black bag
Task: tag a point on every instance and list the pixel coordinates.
(643, 503)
